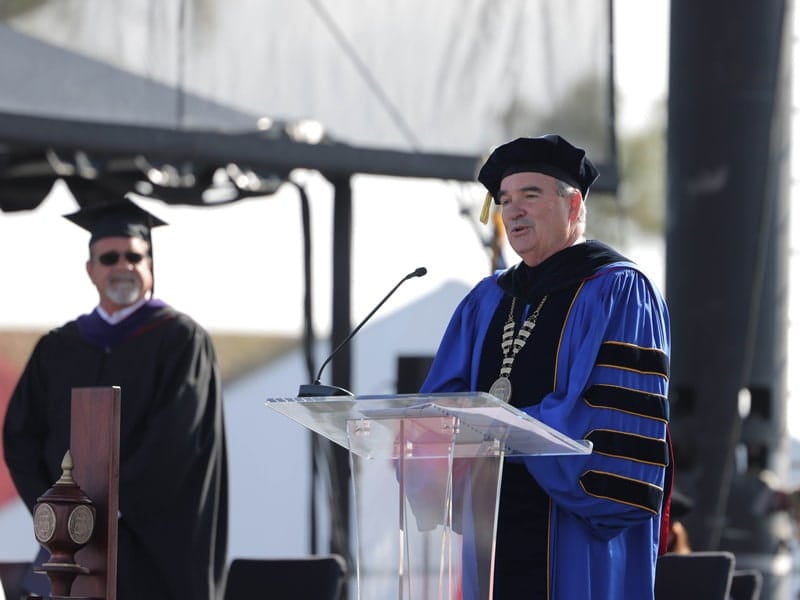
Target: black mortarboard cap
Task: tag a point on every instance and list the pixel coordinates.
(548, 154)
(115, 218)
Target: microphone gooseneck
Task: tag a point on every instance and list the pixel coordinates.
(419, 272)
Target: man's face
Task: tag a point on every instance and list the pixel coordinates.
(537, 220)
(120, 269)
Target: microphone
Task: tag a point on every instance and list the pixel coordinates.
(317, 389)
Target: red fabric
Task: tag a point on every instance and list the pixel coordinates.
(667, 501)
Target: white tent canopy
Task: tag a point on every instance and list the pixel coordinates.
(451, 76)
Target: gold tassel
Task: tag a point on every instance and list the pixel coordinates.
(487, 204)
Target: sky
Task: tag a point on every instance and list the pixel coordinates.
(238, 268)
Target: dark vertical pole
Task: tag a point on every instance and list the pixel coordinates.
(341, 364)
(727, 161)
(612, 92)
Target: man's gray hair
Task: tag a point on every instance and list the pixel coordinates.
(566, 190)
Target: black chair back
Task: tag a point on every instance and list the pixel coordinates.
(313, 577)
(11, 577)
(746, 584)
(694, 576)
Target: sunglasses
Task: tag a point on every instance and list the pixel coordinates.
(112, 257)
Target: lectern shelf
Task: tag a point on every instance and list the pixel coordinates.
(481, 418)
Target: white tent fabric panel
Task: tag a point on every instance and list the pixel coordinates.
(448, 76)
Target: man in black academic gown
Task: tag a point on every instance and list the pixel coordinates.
(173, 493)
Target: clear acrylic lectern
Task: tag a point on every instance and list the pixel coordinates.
(426, 473)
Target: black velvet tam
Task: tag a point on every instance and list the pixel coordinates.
(549, 154)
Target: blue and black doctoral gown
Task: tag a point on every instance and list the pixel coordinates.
(595, 367)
